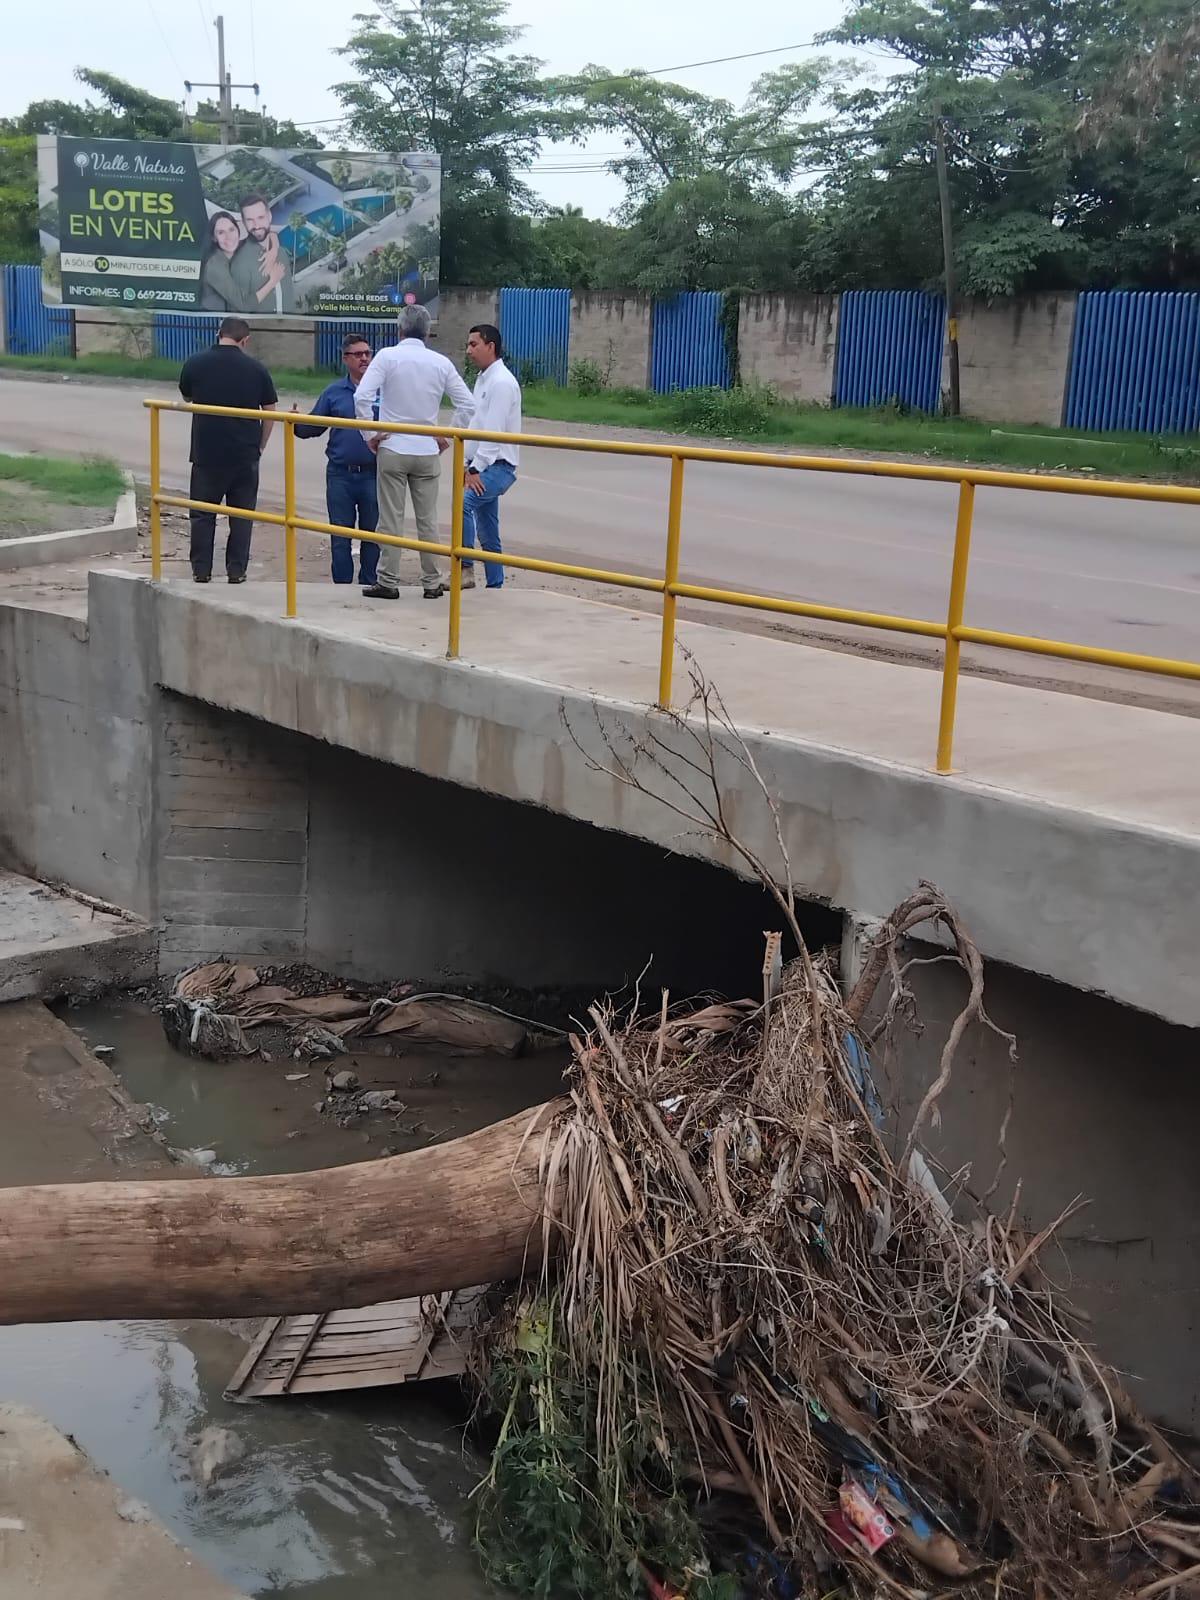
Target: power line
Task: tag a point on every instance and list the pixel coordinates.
(206, 25)
(163, 36)
(627, 77)
(686, 66)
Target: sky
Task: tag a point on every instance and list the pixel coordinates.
(288, 47)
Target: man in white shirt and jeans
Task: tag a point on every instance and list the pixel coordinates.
(491, 468)
(412, 382)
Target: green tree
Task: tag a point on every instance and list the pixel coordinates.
(715, 231)
(447, 78)
(674, 134)
(18, 197)
(1037, 201)
(123, 111)
(577, 252)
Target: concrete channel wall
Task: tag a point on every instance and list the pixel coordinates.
(262, 789)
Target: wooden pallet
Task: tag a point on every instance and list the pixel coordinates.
(397, 1341)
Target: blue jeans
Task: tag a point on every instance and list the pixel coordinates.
(352, 501)
(481, 515)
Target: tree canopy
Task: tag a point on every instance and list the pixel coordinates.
(1072, 131)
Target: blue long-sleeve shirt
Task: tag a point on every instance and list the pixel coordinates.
(345, 447)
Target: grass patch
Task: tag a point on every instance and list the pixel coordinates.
(94, 481)
(156, 369)
(758, 417)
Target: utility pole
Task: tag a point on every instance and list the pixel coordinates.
(226, 96)
(224, 87)
(939, 129)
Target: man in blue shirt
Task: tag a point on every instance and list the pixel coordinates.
(350, 489)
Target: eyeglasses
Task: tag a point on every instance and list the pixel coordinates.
(358, 355)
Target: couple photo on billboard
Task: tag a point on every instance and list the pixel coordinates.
(237, 230)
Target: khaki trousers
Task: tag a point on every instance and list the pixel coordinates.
(418, 476)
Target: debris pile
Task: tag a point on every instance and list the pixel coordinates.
(775, 1356)
(225, 1009)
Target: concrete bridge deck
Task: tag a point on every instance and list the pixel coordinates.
(1119, 761)
(1069, 838)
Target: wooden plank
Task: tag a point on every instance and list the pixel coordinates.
(370, 1344)
(397, 1341)
(306, 1345)
(262, 1340)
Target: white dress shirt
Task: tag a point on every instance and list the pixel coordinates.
(498, 409)
(412, 381)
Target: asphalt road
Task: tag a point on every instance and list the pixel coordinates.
(1104, 572)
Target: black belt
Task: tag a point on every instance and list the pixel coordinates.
(347, 466)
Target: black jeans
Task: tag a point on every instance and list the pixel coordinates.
(235, 483)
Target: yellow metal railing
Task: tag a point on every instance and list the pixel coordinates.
(954, 631)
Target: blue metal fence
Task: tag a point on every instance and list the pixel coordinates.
(1135, 362)
(32, 329)
(176, 336)
(536, 327)
(890, 344)
(688, 348)
(329, 333)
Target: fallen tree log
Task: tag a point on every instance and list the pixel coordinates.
(444, 1217)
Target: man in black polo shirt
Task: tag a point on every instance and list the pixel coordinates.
(226, 450)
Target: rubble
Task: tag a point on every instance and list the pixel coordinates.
(225, 1009)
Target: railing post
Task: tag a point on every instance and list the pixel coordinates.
(954, 616)
(155, 487)
(670, 578)
(289, 511)
(458, 471)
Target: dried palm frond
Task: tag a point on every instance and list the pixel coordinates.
(767, 1336)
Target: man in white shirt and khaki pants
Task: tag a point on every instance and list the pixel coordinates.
(411, 381)
(491, 468)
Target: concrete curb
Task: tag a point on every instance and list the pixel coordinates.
(44, 549)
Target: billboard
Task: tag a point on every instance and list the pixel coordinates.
(145, 225)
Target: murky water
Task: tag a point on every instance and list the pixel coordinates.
(259, 1116)
(360, 1495)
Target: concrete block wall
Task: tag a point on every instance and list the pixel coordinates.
(790, 343)
(283, 341)
(458, 312)
(1015, 354)
(101, 333)
(613, 330)
(1014, 357)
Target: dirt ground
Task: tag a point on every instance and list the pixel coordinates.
(26, 509)
(66, 1528)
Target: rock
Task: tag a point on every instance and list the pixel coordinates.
(380, 1100)
(103, 1050)
(295, 1077)
(131, 1510)
(202, 1158)
(343, 1081)
(215, 1450)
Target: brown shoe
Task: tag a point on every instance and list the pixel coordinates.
(380, 591)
